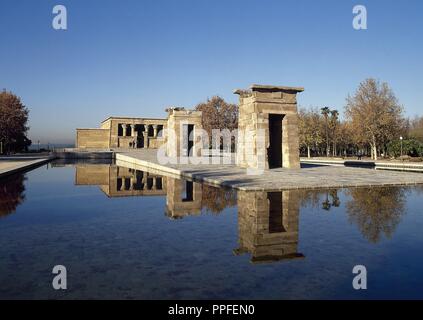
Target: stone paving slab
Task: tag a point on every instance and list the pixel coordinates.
(8, 167)
(311, 177)
(382, 165)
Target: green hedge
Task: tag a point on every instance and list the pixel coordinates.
(410, 147)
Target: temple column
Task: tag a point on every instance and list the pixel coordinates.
(155, 130)
(134, 132)
(123, 130)
(147, 127)
(134, 135)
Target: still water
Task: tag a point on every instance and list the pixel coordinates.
(131, 234)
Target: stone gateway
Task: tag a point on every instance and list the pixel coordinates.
(268, 127)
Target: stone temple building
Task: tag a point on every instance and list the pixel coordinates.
(123, 132)
(268, 127)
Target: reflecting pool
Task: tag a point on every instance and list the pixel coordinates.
(136, 234)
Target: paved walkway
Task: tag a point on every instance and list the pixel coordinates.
(14, 165)
(309, 177)
(388, 165)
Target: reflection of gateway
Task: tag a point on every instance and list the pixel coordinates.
(183, 198)
(268, 225)
(267, 221)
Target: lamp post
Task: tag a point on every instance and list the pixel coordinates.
(401, 145)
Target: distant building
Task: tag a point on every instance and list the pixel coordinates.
(123, 132)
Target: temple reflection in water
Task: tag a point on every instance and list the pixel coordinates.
(267, 221)
(117, 181)
(268, 225)
(183, 197)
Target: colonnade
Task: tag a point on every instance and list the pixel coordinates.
(145, 129)
(140, 133)
(138, 183)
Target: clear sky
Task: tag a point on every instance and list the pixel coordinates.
(135, 58)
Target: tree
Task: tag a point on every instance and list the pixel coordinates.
(13, 123)
(345, 138)
(411, 147)
(218, 114)
(416, 128)
(215, 200)
(376, 211)
(375, 114)
(334, 125)
(325, 112)
(12, 193)
(309, 129)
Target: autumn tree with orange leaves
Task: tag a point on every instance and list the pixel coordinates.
(13, 123)
(218, 114)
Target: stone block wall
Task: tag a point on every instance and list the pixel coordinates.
(255, 107)
(92, 138)
(265, 234)
(176, 206)
(92, 174)
(177, 118)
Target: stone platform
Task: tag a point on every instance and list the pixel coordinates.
(10, 165)
(308, 177)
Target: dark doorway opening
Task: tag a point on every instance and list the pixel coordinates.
(149, 183)
(118, 184)
(275, 212)
(140, 142)
(150, 132)
(128, 130)
(127, 183)
(188, 139)
(274, 152)
(159, 184)
(188, 194)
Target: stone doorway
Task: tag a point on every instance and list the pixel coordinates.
(274, 152)
(188, 139)
(275, 212)
(188, 192)
(140, 142)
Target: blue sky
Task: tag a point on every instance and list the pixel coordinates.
(136, 58)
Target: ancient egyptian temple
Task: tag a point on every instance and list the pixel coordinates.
(267, 130)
